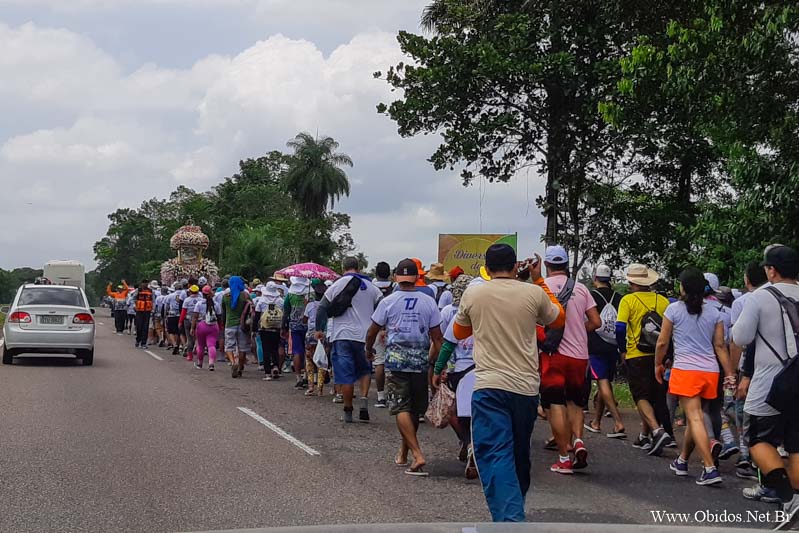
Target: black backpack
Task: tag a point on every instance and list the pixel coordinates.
(343, 300)
(651, 324)
(784, 393)
(555, 335)
(440, 289)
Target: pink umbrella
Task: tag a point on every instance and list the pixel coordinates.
(309, 270)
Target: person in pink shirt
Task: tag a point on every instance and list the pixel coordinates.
(564, 361)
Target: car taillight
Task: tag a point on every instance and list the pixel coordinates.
(20, 317)
(83, 318)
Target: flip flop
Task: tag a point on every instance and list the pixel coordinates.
(418, 472)
(401, 465)
(591, 428)
(617, 435)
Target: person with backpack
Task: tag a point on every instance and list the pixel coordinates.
(770, 319)
(638, 326)
(294, 325)
(564, 360)
(442, 294)
(269, 317)
(205, 328)
(604, 353)
(143, 305)
(351, 300)
(695, 327)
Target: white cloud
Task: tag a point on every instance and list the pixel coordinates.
(97, 136)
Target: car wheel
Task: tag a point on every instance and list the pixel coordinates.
(8, 356)
(87, 357)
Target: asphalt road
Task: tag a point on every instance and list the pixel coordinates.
(135, 443)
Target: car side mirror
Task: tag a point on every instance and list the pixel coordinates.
(92, 310)
(5, 309)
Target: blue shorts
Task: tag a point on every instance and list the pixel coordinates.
(603, 366)
(298, 342)
(349, 362)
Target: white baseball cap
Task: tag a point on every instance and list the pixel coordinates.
(556, 255)
(603, 272)
(712, 281)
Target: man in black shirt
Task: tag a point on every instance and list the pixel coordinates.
(604, 353)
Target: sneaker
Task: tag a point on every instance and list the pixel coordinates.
(268, 378)
(681, 469)
(347, 418)
(562, 467)
(338, 398)
(711, 477)
(790, 514)
(672, 443)
(715, 450)
(381, 404)
(260, 368)
(761, 494)
(211, 367)
(234, 371)
(550, 444)
(363, 415)
(642, 442)
(175, 351)
(198, 366)
(728, 450)
(782, 452)
(161, 344)
(743, 460)
(746, 472)
(299, 385)
(580, 455)
(659, 440)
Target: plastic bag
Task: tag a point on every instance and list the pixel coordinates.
(441, 407)
(320, 356)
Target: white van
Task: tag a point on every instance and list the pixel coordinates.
(70, 273)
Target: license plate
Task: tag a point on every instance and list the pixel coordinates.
(56, 319)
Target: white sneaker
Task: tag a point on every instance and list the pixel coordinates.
(790, 514)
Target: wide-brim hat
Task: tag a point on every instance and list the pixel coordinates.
(436, 272)
(641, 275)
(278, 277)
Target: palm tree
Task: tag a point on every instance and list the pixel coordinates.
(315, 177)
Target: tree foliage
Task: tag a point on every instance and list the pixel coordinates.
(254, 223)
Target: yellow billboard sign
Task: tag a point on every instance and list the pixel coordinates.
(468, 250)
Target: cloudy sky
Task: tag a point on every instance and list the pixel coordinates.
(106, 103)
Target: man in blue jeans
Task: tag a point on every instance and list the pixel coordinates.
(502, 315)
(348, 335)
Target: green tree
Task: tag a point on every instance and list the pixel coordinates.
(516, 84)
(314, 177)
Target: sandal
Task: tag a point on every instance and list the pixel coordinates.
(592, 428)
(417, 471)
(471, 467)
(397, 463)
(310, 392)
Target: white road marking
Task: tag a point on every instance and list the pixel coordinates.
(299, 444)
(101, 323)
(154, 356)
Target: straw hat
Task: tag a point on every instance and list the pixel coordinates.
(436, 272)
(641, 275)
(279, 277)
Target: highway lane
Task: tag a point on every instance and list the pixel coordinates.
(135, 443)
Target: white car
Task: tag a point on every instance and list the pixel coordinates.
(49, 319)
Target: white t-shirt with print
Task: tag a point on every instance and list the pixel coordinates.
(353, 324)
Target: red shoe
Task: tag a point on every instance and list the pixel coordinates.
(580, 455)
(562, 467)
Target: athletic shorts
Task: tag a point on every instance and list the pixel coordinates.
(641, 377)
(237, 341)
(298, 342)
(774, 430)
(406, 392)
(562, 379)
(172, 325)
(603, 366)
(349, 362)
(690, 383)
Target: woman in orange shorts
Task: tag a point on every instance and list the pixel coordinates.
(693, 326)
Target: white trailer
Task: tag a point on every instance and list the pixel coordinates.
(70, 273)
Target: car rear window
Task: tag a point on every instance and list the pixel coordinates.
(41, 296)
